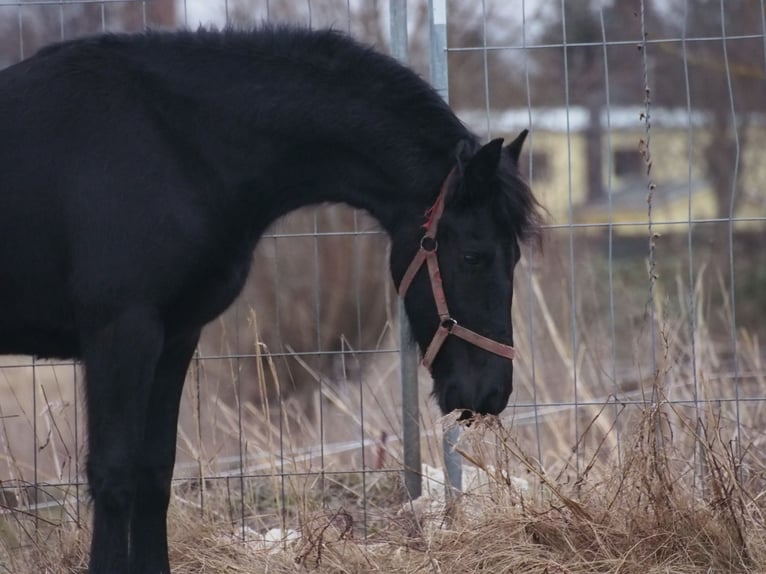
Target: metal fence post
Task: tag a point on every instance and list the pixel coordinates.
(437, 15)
(409, 352)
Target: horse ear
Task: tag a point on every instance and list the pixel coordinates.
(513, 149)
(483, 165)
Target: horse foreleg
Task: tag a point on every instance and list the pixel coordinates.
(120, 359)
(154, 471)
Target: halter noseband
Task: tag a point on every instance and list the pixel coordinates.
(447, 325)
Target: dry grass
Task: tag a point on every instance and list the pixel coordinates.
(644, 516)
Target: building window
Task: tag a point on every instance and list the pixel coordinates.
(627, 163)
(540, 166)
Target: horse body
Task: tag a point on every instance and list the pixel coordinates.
(134, 118)
(139, 173)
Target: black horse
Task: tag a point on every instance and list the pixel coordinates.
(137, 174)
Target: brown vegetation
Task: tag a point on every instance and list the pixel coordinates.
(652, 513)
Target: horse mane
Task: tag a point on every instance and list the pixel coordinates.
(333, 53)
(517, 206)
(198, 64)
(329, 53)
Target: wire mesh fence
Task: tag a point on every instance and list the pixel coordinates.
(643, 119)
(646, 125)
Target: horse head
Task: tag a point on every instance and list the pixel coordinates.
(458, 287)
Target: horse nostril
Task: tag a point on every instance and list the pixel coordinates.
(491, 403)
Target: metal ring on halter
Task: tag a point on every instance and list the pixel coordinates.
(429, 244)
(449, 323)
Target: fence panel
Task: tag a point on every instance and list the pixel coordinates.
(644, 132)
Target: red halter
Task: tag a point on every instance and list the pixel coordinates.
(447, 325)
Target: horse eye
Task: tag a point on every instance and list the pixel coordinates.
(472, 258)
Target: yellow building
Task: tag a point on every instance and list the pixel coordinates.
(676, 181)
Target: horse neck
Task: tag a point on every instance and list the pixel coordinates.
(389, 187)
(336, 161)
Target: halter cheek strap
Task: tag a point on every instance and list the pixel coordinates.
(447, 324)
